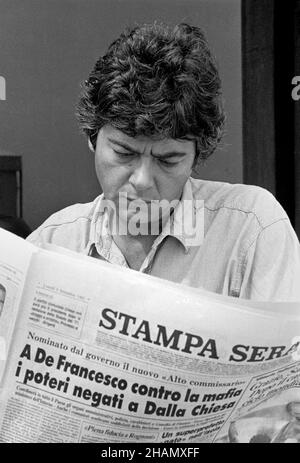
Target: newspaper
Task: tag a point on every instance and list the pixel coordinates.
(92, 352)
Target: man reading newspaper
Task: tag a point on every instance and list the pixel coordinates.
(152, 112)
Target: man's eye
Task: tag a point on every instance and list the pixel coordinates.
(167, 163)
(124, 155)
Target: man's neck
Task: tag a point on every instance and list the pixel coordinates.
(134, 248)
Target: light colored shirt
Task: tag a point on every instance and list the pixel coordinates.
(249, 250)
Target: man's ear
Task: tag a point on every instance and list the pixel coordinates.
(91, 145)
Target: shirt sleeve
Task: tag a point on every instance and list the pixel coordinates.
(34, 237)
(272, 265)
(42, 235)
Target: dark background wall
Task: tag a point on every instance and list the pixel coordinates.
(271, 117)
(47, 48)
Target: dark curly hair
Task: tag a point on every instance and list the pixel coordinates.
(156, 81)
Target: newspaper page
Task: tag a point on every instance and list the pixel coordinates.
(15, 257)
(106, 354)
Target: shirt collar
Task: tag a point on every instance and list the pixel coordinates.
(180, 225)
(186, 220)
(99, 236)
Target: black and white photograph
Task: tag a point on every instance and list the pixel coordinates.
(149, 224)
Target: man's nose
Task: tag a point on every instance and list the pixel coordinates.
(142, 176)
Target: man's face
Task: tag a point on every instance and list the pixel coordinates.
(142, 168)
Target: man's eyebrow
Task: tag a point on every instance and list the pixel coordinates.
(167, 155)
(123, 145)
(170, 154)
